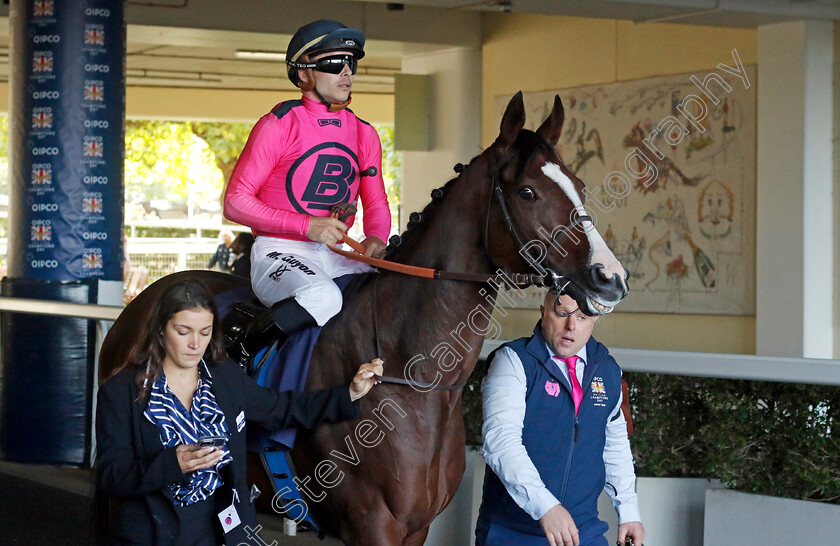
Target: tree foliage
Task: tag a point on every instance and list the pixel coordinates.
(166, 160)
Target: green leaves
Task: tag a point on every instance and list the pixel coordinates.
(778, 439)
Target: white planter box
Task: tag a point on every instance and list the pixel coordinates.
(672, 510)
(743, 519)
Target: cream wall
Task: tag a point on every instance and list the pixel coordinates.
(538, 53)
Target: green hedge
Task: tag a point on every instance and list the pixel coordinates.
(777, 439)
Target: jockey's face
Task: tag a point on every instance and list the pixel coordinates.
(335, 88)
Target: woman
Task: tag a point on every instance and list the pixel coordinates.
(155, 409)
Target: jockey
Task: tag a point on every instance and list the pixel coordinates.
(302, 158)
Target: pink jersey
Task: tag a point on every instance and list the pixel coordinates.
(300, 160)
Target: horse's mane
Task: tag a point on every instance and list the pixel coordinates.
(418, 219)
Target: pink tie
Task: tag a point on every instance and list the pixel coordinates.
(577, 391)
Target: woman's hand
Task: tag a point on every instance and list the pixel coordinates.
(364, 380)
(191, 459)
(323, 229)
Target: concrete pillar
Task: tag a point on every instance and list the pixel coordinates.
(794, 220)
(455, 105)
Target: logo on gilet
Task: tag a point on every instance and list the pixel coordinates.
(322, 177)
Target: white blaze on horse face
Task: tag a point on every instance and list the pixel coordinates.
(599, 252)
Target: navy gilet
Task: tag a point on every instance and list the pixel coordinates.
(568, 452)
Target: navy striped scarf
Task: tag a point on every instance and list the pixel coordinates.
(179, 426)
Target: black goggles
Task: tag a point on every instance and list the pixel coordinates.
(333, 64)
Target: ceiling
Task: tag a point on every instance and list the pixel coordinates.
(187, 43)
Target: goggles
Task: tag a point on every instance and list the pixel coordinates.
(333, 64)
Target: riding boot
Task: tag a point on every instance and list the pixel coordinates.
(277, 323)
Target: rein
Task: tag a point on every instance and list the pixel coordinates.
(519, 279)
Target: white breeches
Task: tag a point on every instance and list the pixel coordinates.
(303, 270)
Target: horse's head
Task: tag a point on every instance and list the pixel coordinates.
(537, 217)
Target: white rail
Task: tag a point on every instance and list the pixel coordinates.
(760, 368)
(60, 308)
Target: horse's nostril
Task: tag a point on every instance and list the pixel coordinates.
(603, 280)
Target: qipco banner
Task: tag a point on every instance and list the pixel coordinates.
(66, 143)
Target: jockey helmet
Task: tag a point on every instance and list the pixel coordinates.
(320, 37)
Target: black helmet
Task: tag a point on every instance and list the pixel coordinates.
(321, 36)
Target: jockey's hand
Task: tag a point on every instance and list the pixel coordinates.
(374, 247)
(364, 380)
(191, 459)
(323, 229)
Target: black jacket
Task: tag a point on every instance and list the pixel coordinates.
(133, 465)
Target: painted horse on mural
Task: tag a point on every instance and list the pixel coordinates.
(514, 212)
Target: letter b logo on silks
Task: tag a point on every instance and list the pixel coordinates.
(322, 177)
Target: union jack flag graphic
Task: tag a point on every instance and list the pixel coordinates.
(92, 149)
(43, 8)
(94, 92)
(41, 176)
(42, 62)
(42, 120)
(91, 260)
(94, 36)
(598, 387)
(92, 205)
(41, 233)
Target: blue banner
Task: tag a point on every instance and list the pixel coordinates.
(67, 142)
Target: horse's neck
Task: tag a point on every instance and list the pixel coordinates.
(440, 312)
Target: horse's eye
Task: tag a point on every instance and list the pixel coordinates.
(527, 193)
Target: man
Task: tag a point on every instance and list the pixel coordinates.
(301, 159)
(554, 437)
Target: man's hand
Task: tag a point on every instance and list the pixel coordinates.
(374, 247)
(559, 527)
(632, 529)
(325, 230)
(364, 380)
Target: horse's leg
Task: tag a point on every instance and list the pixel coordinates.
(418, 538)
(371, 526)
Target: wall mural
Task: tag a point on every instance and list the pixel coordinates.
(669, 165)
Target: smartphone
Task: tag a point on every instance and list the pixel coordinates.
(211, 441)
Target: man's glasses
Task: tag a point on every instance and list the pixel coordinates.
(558, 310)
(333, 64)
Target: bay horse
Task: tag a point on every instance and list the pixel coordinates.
(381, 480)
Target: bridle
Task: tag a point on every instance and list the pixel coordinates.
(550, 278)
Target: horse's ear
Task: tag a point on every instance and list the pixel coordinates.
(552, 127)
(513, 121)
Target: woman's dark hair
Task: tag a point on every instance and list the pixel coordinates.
(148, 356)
